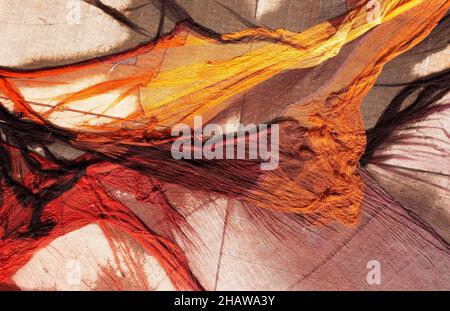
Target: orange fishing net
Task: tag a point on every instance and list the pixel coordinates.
(120, 109)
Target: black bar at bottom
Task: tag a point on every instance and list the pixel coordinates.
(223, 300)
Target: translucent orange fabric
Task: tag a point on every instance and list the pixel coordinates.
(120, 109)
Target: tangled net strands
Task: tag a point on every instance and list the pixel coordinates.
(413, 144)
(119, 110)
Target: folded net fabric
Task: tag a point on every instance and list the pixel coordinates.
(119, 110)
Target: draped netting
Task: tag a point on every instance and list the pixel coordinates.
(119, 111)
